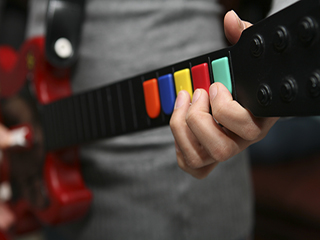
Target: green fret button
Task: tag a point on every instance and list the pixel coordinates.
(221, 72)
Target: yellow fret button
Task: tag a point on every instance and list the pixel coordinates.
(182, 80)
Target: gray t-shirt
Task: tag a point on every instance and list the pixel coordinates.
(139, 191)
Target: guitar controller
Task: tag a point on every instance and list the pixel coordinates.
(274, 70)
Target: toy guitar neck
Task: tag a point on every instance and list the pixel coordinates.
(274, 70)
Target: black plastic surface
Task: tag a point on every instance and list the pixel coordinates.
(64, 20)
(288, 64)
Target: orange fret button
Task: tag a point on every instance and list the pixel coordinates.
(152, 98)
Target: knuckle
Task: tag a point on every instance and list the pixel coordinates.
(194, 118)
(193, 163)
(174, 123)
(221, 153)
(217, 109)
(186, 163)
(195, 173)
(251, 132)
(182, 165)
(191, 118)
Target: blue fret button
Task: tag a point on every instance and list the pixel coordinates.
(167, 93)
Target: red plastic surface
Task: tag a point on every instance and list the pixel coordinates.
(201, 77)
(50, 83)
(4, 236)
(69, 197)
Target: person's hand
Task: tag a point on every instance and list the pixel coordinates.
(203, 140)
(5, 137)
(7, 217)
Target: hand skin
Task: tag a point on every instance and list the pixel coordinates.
(201, 143)
(7, 218)
(5, 137)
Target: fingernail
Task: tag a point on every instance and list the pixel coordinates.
(180, 100)
(196, 95)
(213, 91)
(240, 23)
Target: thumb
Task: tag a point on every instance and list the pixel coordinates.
(233, 26)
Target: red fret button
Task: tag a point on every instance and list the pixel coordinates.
(201, 77)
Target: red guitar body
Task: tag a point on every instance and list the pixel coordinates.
(67, 197)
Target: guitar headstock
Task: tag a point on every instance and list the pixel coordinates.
(276, 63)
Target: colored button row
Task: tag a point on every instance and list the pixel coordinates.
(162, 92)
